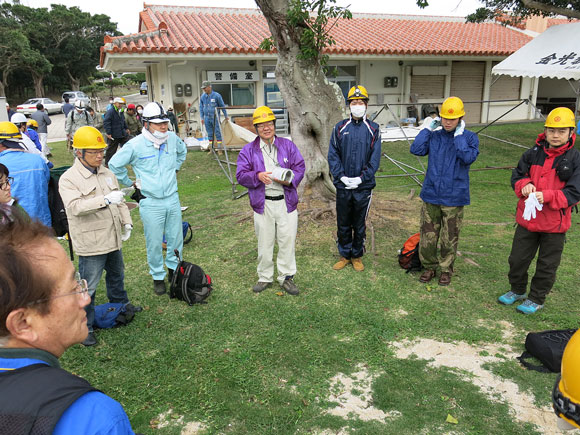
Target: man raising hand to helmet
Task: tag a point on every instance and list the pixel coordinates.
(445, 192)
(549, 175)
(156, 155)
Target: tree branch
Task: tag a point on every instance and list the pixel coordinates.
(550, 9)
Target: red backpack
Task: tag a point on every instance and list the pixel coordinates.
(409, 254)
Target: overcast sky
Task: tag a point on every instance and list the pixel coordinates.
(126, 12)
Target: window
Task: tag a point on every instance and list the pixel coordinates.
(505, 87)
(236, 94)
(343, 75)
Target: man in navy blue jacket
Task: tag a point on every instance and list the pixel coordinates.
(115, 128)
(354, 156)
(42, 315)
(451, 150)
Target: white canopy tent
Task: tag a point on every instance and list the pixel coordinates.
(552, 54)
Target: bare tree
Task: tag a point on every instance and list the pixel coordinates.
(300, 32)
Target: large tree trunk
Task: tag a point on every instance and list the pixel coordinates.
(314, 104)
(75, 83)
(38, 80)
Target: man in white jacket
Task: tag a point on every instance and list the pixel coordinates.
(98, 218)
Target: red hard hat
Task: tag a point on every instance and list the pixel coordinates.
(131, 106)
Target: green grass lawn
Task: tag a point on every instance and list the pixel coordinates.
(260, 364)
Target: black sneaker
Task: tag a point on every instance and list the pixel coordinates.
(170, 275)
(261, 286)
(91, 340)
(159, 287)
(289, 287)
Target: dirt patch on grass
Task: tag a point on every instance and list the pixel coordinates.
(169, 419)
(471, 359)
(354, 396)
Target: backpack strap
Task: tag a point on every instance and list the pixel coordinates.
(538, 368)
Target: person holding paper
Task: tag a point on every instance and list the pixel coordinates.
(354, 156)
(272, 167)
(547, 183)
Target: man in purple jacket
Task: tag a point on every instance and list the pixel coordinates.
(271, 168)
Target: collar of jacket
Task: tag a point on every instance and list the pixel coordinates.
(551, 151)
(84, 170)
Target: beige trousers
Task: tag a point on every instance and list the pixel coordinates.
(276, 224)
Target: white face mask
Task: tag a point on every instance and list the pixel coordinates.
(160, 134)
(358, 110)
(140, 111)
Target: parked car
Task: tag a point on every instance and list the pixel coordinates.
(74, 96)
(143, 88)
(29, 106)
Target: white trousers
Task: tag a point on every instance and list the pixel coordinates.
(276, 224)
(43, 139)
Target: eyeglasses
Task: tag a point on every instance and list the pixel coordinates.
(81, 284)
(6, 183)
(95, 153)
(263, 125)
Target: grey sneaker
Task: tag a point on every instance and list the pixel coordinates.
(91, 340)
(261, 286)
(289, 287)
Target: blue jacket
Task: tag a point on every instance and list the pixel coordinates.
(155, 167)
(33, 135)
(92, 413)
(115, 123)
(447, 179)
(208, 103)
(355, 151)
(251, 162)
(30, 185)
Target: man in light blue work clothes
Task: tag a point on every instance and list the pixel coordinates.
(155, 155)
(208, 102)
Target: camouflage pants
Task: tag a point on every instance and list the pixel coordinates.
(439, 225)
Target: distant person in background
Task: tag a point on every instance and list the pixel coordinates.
(208, 102)
(43, 120)
(98, 120)
(139, 110)
(67, 107)
(32, 126)
(111, 104)
(133, 123)
(30, 173)
(115, 128)
(9, 111)
(173, 120)
(77, 118)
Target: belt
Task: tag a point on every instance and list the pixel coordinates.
(275, 198)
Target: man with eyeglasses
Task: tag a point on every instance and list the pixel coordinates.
(41, 316)
(155, 156)
(98, 218)
(272, 167)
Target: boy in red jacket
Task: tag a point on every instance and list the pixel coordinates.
(550, 171)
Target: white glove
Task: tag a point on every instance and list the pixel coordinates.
(460, 128)
(356, 181)
(532, 205)
(345, 181)
(434, 124)
(114, 197)
(126, 232)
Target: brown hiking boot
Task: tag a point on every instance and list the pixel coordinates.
(357, 264)
(427, 276)
(341, 264)
(445, 278)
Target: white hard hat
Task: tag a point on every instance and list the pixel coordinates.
(155, 113)
(119, 100)
(81, 105)
(18, 118)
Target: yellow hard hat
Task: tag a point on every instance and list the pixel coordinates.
(560, 117)
(9, 131)
(263, 114)
(566, 394)
(452, 108)
(88, 138)
(32, 123)
(357, 92)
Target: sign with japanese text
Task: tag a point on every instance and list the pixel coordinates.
(232, 76)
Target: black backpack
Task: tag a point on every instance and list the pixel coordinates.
(189, 283)
(548, 347)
